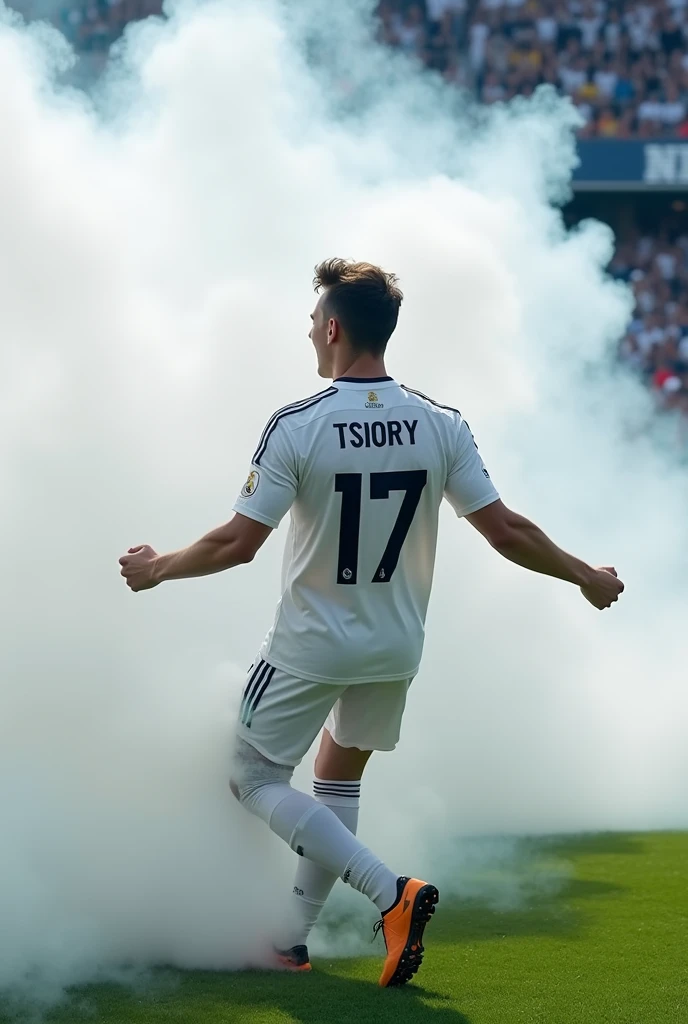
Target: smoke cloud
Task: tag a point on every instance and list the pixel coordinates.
(156, 243)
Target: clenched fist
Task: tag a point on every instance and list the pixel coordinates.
(604, 589)
(138, 567)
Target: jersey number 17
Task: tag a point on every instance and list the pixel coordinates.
(350, 486)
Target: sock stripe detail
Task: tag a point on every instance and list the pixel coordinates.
(337, 788)
(352, 790)
(321, 784)
(339, 793)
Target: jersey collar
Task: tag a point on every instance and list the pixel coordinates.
(363, 380)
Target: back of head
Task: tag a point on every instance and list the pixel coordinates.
(363, 298)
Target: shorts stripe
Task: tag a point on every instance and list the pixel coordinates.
(258, 697)
(252, 685)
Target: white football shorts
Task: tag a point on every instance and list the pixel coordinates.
(281, 715)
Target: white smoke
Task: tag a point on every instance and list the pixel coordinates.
(156, 255)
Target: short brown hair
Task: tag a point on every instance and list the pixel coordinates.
(365, 300)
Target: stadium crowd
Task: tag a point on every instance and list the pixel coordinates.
(91, 26)
(624, 63)
(656, 343)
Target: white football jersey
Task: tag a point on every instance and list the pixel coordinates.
(362, 467)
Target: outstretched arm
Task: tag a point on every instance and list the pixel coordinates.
(524, 543)
(521, 541)
(471, 493)
(235, 543)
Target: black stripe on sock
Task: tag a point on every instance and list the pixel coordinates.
(337, 792)
(336, 785)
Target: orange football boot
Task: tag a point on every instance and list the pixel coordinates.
(294, 959)
(402, 929)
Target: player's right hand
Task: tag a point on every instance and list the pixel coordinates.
(604, 589)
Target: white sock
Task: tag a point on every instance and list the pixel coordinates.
(312, 830)
(313, 883)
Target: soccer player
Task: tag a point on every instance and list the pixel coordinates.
(362, 467)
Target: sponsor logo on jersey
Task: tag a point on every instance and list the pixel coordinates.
(485, 473)
(251, 484)
(372, 402)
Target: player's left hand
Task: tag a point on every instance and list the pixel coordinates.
(138, 567)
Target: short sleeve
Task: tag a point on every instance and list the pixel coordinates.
(271, 486)
(468, 487)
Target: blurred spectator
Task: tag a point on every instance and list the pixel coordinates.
(92, 26)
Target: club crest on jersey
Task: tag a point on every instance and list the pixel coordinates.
(372, 402)
(251, 484)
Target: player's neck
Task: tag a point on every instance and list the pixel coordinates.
(364, 367)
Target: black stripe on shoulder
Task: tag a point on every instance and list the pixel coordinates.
(284, 409)
(438, 405)
(287, 410)
(292, 405)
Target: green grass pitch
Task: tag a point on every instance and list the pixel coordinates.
(611, 947)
